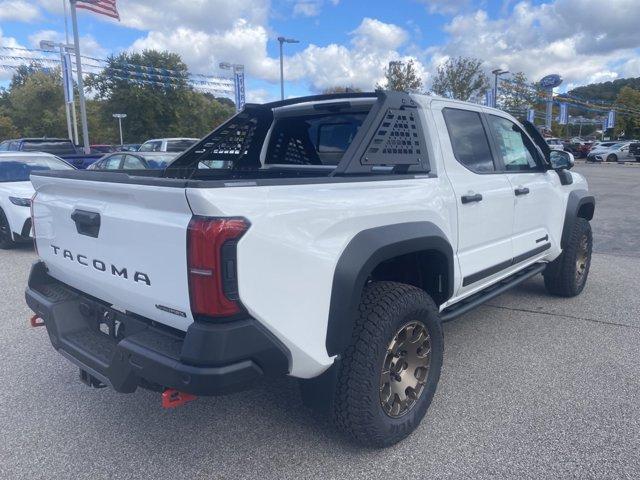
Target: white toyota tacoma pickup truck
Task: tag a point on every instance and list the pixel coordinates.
(326, 238)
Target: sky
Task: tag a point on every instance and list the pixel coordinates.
(349, 42)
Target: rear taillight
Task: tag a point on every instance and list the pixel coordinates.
(33, 223)
(211, 257)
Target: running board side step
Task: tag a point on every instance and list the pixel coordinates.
(493, 291)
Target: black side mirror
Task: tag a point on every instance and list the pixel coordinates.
(561, 160)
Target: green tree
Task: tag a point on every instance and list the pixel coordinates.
(35, 104)
(157, 105)
(460, 78)
(7, 128)
(628, 122)
(401, 77)
(517, 94)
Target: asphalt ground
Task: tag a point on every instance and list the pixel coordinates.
(532, 387)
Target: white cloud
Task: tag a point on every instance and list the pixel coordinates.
(88, 43)
(566, 37)
(18, 11)
(307, 8)
(446, 7)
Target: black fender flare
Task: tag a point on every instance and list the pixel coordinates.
(579, 204)
(364, 252)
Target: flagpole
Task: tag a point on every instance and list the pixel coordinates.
(83, 105)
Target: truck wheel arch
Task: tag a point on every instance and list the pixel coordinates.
(368, 249)
(579, 205)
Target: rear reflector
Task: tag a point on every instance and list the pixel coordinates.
(213, 285)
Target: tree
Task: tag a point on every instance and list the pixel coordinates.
(7, 128)
(401, 77)
(35, 104)
(628, 122)
(159, 102)
(460, 78)
(517, 94)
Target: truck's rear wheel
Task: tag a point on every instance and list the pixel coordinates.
(6, 238)
(567, 275)
(390, 371)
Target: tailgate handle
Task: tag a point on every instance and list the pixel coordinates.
(87, 223)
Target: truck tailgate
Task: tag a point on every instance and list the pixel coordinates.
(125, 244)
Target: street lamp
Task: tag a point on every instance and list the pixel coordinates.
(282, 41)
(497, 73)
(120, 116)
(67, 85)
(238, 81)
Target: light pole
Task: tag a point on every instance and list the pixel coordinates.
(67, 84)
(496, 73)
(282, 41)
(238, 82)
(120, 116)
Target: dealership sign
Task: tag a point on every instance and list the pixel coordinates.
(551, 81)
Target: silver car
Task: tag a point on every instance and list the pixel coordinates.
(609, 152)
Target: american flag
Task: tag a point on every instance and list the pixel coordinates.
(103, 7)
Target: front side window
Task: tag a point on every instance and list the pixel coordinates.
(517, 151)
(469, 140)
(179, 145)
(112, 163)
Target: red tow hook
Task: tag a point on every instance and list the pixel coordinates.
(36, 321)
(172, 398)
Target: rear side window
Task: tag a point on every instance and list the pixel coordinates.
(132, 163)
(179, 145)
(469, 140)
(314, 139)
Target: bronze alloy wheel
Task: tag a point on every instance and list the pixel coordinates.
(405, 369)
(582, 259)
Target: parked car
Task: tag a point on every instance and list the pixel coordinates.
(128, 147)
(167, 144)
(61, 147)
(134, 161)
(102, 148)
(326, 238)
(16, 192)
(555, 143)
(609, 152)
(634, 150)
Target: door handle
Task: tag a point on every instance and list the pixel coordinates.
(522, 191)
(471, 198)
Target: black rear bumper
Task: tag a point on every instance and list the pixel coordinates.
(126, 351)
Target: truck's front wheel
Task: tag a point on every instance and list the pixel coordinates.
(390, 371)
(567, 275)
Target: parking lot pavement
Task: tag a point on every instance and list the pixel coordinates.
(532, 387)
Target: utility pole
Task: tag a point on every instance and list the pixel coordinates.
(83, 104)
(282, 41)
(120, 116)
(496, 73)
(67, 82)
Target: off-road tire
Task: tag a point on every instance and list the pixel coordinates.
(6, 240)
(562, 276)
(356, 406)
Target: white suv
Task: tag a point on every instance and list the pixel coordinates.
(326, 238)
(167, 144)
